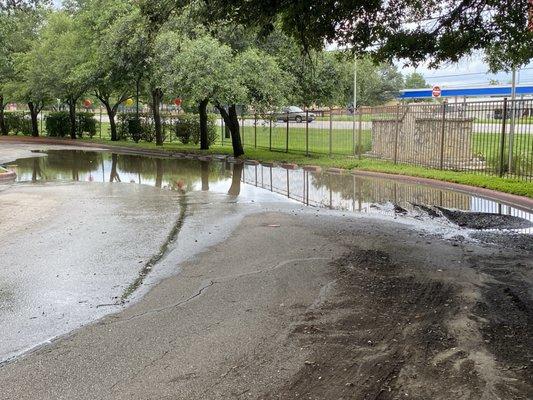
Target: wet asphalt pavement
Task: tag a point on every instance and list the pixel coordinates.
(187, 323)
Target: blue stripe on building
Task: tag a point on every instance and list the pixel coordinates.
(486, 91)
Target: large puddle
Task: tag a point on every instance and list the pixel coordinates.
(346, 192)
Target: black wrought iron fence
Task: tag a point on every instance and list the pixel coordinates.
(483, 137)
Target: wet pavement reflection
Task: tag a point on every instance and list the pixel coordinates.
(346, 192)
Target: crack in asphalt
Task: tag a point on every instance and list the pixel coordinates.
(214, 281)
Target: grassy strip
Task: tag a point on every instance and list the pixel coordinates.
(506, 185)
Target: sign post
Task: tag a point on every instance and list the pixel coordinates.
(436, 92)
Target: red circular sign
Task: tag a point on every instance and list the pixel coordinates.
(87, 103)
(436, 91)
(177, 102)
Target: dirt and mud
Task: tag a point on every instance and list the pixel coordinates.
(394, 331)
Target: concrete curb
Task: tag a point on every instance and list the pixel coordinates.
(511, 199)
(7, 176)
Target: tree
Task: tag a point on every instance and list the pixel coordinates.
(112, 72)
(153, 16)
(20, 21)
(417, 31)
(26, 86)
(215, 79)
(63, 49)
(261, 91)
(376, 83)
(415, 81)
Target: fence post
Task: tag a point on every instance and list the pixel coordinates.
(222, 132)
(287, 135)
(306, 132)
(360, 135)
(354, 148)
(255, 131)
(396, 133)
(242, 129)
(442, 134)
(502, 139)
(270, 134)
(330, 131)
(100, 108)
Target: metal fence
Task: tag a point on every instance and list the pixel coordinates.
(484, 137)
(489, 137)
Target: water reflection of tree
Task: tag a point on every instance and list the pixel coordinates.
(113, 175)
(181, 174)
(36, 170)
(57, 164)
(205, 175)
(235, 188)
(158, 172)
(347, 186)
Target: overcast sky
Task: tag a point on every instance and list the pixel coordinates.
(471, 71)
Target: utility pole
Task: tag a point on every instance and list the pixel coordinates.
(512, 124)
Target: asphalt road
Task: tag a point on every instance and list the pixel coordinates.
(366, 125)
(255, 298)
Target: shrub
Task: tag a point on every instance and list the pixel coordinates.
(187, 128)
(57, 124)
(131, 127)
(85, 124)
(18, 122)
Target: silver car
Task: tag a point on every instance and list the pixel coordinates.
(296, 114)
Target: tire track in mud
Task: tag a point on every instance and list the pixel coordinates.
(505, 314)
(389, 333)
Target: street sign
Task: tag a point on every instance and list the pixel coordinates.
(435, 92)
(177, 102)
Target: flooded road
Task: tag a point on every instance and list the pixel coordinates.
(345, 192)
(85, 233)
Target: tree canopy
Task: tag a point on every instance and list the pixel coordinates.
(415, 31)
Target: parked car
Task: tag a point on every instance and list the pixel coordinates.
(296, 114)
(518, 112)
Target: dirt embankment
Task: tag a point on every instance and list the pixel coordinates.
(395, 331)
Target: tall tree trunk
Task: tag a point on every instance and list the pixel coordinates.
(3, 126)
(157, 95)
(111, 115)
(34, 112)
(232, 122)
(72, 117)
(204, 140)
